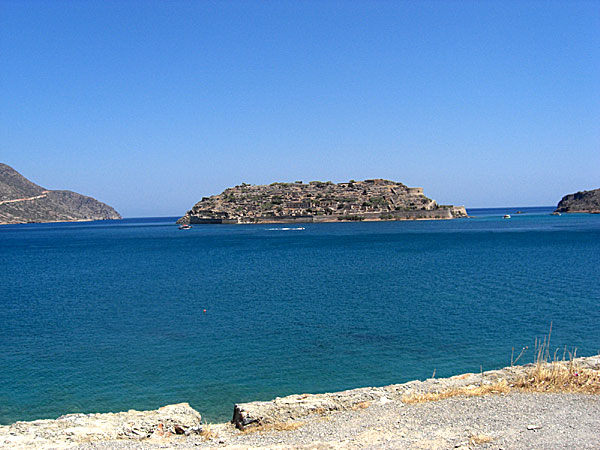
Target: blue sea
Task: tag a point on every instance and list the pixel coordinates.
(108, 316)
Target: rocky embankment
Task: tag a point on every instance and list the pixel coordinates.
(317, 201)
(382, 417)
(22, 201)
(73, 429)
(580, 202)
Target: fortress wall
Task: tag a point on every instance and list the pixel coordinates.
(199, 220)
(285, 219)
(432, 214)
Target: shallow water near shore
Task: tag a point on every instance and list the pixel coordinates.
(109, 316)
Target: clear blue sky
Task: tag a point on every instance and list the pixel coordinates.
(149, 106)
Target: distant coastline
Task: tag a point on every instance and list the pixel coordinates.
(22, 201)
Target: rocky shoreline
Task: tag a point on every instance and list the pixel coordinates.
(318, 201)
(283, 422)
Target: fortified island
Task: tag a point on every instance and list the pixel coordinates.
(22, 201)
(582, 202)
(318, 201)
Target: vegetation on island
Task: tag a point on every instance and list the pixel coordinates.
(319, 201)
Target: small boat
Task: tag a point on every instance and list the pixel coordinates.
(507, 216)
(185, 226)
(555, 213)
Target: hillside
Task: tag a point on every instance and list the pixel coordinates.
(318, 201)
(22, 201)
(583, 201)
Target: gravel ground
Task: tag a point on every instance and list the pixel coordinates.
(509, 421)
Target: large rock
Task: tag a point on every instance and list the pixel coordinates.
(283, 409)
(583, 201)
(74, 429)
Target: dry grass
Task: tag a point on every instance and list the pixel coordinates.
(547, 374)
(558, 375)
(207, 433)
(555, 376)
(276, 426)
(478, 439)
(497, 388)
(361, 405)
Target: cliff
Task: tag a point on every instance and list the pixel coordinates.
(317, 201)
(584, 201)
(22, 201)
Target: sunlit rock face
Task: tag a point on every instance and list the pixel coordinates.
(583, 201)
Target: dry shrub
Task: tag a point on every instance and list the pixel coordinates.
(361, 405)
(547, 374)
(276, 426)
(560, 376)
(496, 388)
(207, 433)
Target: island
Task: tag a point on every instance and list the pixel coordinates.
(319, 201)
(580, 202)
(22, 201)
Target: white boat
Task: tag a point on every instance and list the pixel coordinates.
(185, 226)
(507, 216)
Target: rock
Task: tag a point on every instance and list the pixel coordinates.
(583, 201)
(73, 429)
(296, 406)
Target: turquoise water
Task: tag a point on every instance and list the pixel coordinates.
(108, 316)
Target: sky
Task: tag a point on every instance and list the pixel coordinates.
(151, 105)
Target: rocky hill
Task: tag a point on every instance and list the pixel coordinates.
(319, 201)
(584, 201)
(22, 201)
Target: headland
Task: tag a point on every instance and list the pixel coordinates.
(580, 202)
(22, 201)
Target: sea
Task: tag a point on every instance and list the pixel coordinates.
(136, 314)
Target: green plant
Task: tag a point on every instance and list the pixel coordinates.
(354, 218)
